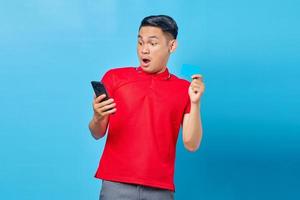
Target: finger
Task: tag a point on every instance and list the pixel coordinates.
(107, 107)
(196, 86)
(98, 108)
(196, 89)
(99, 98)
(109, 112)
(197, 83)
(106, 102)
(197, 76)
(104, 111)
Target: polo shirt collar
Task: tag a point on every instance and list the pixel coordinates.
(165, 75)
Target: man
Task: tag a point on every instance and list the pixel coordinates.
(147, 105)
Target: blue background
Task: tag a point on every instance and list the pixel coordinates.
(248, 52)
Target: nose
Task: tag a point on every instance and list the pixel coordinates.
(145, 49)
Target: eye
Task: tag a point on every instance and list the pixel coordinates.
(140, 43)
(153, 43)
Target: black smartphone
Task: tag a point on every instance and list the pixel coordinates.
(99, 89)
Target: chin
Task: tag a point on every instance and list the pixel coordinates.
(147, 69)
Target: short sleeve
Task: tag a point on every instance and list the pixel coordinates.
(187, 98)
(187, 106)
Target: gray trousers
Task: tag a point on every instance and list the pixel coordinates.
(122, 191)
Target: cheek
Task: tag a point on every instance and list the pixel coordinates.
(160, 52)
(163, 54)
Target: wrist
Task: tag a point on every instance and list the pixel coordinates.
(195, 105)
(97, 119)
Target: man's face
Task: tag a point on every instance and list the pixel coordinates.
(154, 48)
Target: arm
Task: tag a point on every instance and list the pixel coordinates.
(98, 127)
(192, 124)
(99, 122)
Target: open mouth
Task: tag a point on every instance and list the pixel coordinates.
(145, 61)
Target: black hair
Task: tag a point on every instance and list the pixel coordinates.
(166, 23)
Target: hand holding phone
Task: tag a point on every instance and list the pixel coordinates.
(99, 89)
(106, 105)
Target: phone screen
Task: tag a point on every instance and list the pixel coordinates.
(99, 89)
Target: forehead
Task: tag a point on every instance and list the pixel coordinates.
(148, 32)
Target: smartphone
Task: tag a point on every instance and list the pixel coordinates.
(99, 89)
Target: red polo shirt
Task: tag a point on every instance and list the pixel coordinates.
(142, 134)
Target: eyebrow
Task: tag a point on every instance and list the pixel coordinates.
(150, 37)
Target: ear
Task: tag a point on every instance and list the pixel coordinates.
(172, 45)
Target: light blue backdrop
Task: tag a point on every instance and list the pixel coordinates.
(248, 52)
